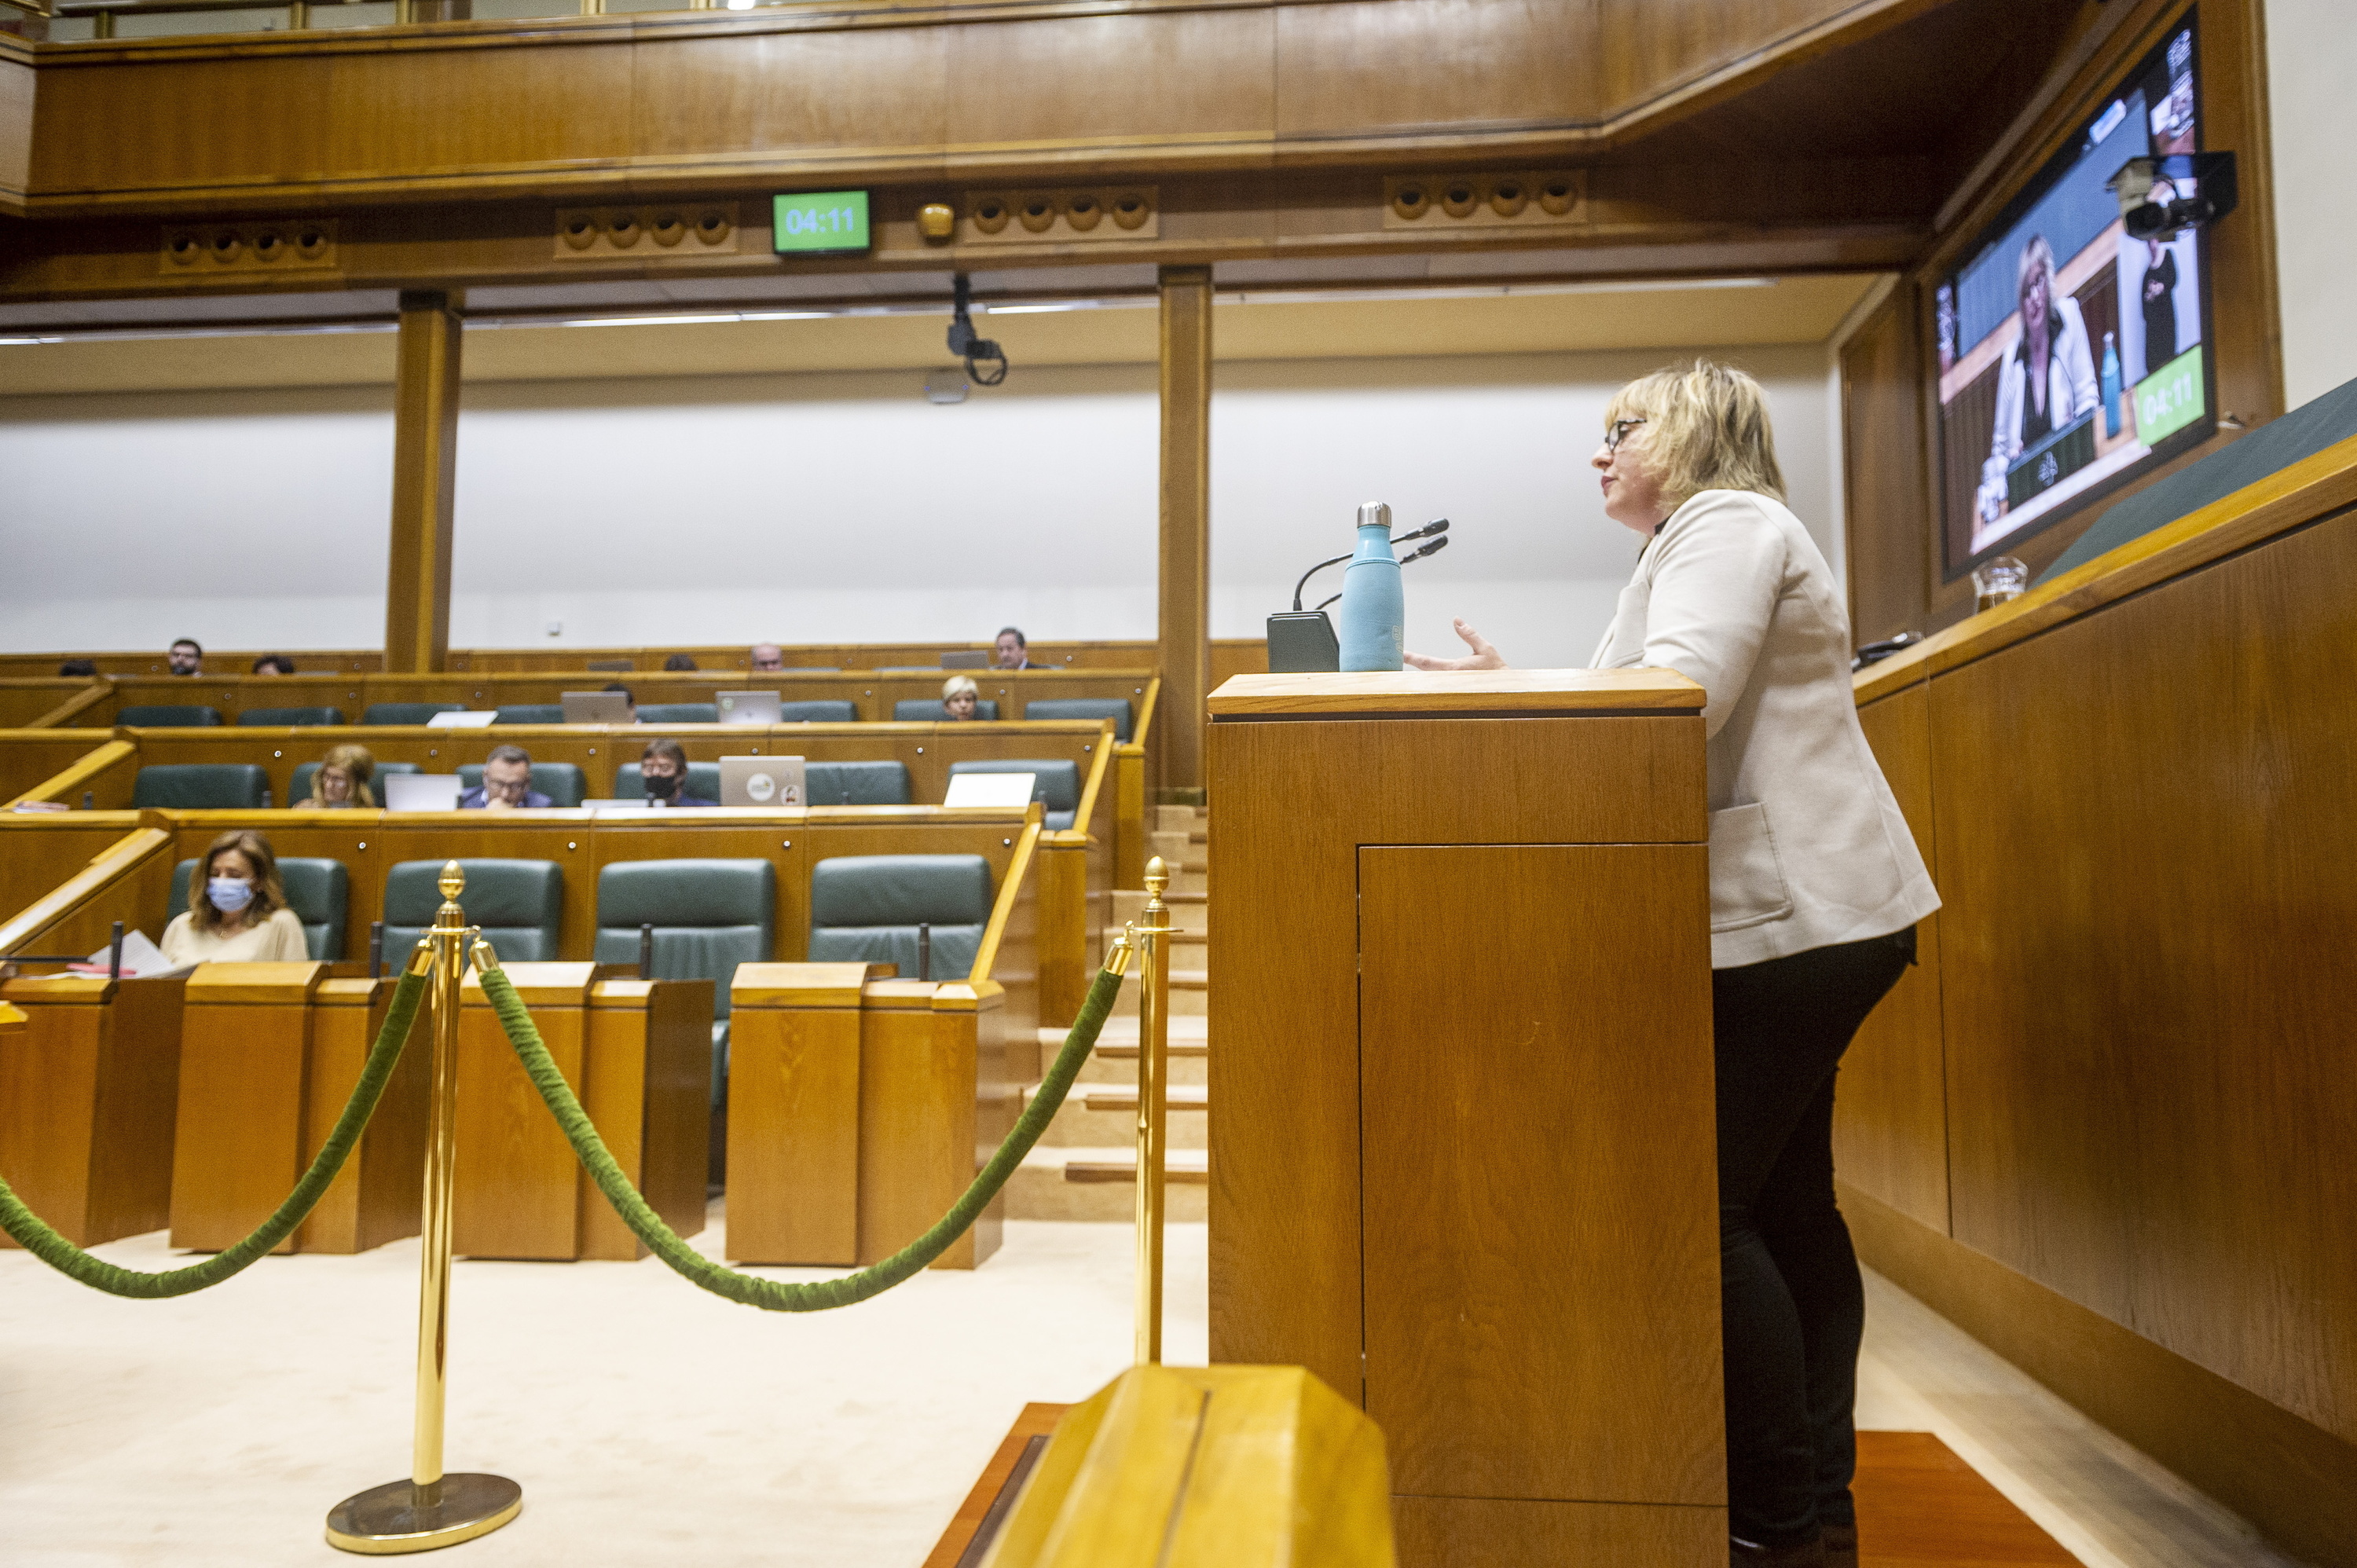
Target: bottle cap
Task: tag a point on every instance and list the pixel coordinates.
(1377, 513)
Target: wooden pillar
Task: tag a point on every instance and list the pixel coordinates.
(1184, 627)
(424, 475)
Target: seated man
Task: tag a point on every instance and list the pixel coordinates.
(185, 658)
(627, 697)
(1014, 649)
(79, 667)
(768, 656)
(680, 661)
(960, 698)
(662, 768)
(507, 783)
(273, 664)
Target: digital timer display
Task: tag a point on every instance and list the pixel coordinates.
(819, 222)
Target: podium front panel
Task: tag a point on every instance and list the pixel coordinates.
(1462, 1156)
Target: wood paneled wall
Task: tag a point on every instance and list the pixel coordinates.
(1897, 567)
(962, 88)
(2122, 1072)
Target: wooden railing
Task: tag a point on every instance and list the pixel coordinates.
(122, 884)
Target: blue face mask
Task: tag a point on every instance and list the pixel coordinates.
(229, 894)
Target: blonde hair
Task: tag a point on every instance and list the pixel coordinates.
(354, 760)
(2037, 262)
(960, 686)
(269, 892)
(1705, 429)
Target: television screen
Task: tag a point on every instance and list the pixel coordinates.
(2071, 356)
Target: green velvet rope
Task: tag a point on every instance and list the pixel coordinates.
(62, 1255)
(779, 1296)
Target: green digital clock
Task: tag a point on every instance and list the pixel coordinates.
(821, 222)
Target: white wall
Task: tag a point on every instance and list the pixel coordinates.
(2311, 60)
(835, 508)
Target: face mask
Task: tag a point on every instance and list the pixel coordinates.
(229, 894)
(661, 786)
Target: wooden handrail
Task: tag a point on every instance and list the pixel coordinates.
(88, 697)
(986, 955)
(1146, 713)
(118, 860)
(89, 766)
(1104, 759)
(2287, 499)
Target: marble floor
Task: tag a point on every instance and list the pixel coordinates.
(650, 1422)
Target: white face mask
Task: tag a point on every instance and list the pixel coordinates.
(229, 894)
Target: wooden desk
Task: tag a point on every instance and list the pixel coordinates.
(86, 1102)
(1463, 1166)
(859, 1109)
(637, 1053)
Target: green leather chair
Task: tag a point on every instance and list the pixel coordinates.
(168, 715)
(407, 713)
(703, 781)
(679, 713)
(826, 711)
(1055, 783)
(857, 783)
(530, 714)
(298, 790)
(867, 909)
(925, 710)
(709, 916)
(561, 782)
(519, 904)
(202, 786)
(319, 891)
(291, 716)
(1114, 708)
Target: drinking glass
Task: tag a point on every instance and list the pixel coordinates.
(1997, 580)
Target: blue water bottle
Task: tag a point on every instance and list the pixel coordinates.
(1375, 611)
(2111, 388)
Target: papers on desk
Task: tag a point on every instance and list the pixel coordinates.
(482, 718)
(142, 960)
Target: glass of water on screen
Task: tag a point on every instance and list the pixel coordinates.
(2000, 578)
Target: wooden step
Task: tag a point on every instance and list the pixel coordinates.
(1184, 1167)
(1183, 1096)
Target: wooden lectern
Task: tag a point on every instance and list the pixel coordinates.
(1462, 1160)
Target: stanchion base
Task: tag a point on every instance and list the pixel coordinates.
(395, 1517)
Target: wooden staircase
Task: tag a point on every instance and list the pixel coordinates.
(1085, 1167)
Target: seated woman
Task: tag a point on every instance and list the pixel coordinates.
(960, 699)
(237, 908)
(345, 777)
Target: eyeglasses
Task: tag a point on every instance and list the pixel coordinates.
(1619, 433)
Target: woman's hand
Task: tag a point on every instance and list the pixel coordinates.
(1484, 656)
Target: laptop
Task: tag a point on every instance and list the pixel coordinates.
(420, 791)
(595, 707)
(991, 790)
(747, 707)
(463, 718)
(763, 781)
(967, 659)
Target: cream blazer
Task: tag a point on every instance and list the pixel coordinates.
(1807, 847)
(278, 940)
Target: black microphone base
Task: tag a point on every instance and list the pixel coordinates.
(1302, 642)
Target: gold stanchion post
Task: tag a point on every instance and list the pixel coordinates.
(1153, 1104)
(432, 1509)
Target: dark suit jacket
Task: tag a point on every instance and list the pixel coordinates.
(472, 801)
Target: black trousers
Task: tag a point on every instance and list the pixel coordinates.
(1793, 1306)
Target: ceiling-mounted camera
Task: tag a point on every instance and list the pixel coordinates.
(2161, 198)
(986, 361)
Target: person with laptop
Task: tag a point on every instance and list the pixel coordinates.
(768, 656)
(961, 699)
(662, 770)
(629, 701)
(1014, 649)
(507, 784)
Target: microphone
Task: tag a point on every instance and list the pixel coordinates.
(1312, 573)
(1438, 525)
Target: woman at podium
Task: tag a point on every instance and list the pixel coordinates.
(1815, 886)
